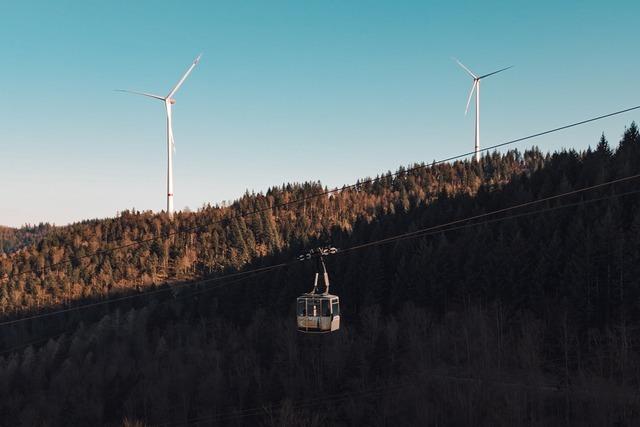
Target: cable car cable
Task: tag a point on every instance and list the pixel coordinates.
(253, 273)
(417, 233)
(323, 193)
(413, 234)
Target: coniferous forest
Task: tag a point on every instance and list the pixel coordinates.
(528, 317)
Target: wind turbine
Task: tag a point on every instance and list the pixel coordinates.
(476, 87)
(168, 103)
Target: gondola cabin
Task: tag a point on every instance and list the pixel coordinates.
(318, 313)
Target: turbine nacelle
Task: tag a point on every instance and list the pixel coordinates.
(171, 101)
(476, 80)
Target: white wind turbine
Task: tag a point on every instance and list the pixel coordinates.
(168, 102)
(476, 87)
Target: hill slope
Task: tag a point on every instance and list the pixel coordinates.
(528, 320)
(62, 268)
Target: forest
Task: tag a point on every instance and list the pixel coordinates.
(528, 319)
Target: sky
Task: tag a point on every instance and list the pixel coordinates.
(286, 91)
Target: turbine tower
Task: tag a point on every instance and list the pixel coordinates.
(476, 87)
(168, 103)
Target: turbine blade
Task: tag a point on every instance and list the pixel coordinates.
(495, 72)
(150, 95)
(184, 77)
(473, 87)
(465, 68)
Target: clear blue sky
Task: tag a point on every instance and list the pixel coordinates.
(286, 91)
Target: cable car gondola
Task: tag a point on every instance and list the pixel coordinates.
(318, 312)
